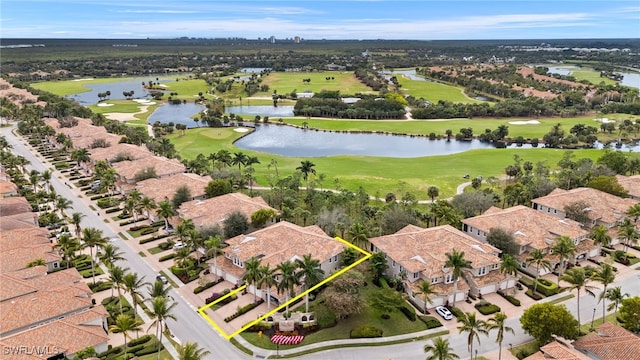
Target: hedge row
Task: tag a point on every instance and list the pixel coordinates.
(509, 298)
(243, 310)
(112, 210)
(206, 286)
(409, 312)
(487, 308)
(100, 286)
(153, 238)
(365, 331)
(167, 257)
(456, 312)
(216, 296)
(148, 231)
(128, 222)
(430, 321)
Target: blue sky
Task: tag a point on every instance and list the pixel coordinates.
(347, 19)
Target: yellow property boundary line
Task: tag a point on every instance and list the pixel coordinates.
(201, 310)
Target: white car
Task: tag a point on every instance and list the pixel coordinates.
(179, 245)
(444, 312)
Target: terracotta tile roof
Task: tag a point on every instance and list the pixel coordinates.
(16, 284)
(18, 221)
(528, 226)
(14, 239)
(441, 288)
(610, 342)
(630, 183)
(165, 188)
(20, 247)
(163, 166)
(557, 351)
(283, 241)
(603, 206)
(111, 152)
(215, 210)
(68, 335)
(18, 96)
(84, 134)
(11, 287)
(14, 205)
(424, 250)
(7, 187)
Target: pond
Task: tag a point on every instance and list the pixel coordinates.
(262, 110)
(629, 79)
(178, 114)
(411, 74)
(291, 141)
(116, 88)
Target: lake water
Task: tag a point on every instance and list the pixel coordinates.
(411, 74)
(262, 110)
(116, 88)
(178, 114)
(629, 79)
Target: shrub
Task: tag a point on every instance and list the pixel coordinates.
(148, 231)
(165, 245)
(216, 296)
(544, 282)
(138, 227)
(243, 310)
(150, 349)
(547, 290)
(509, 298)
(124, 215)
(365, 331)
(167, 257)
(409, 312)
(107, 202)
(456, 312)
(487, 308)
(326, 317)
(202, 288)
(535, 296)
(141, 340)
(430, 321)
(99, 286)
(112, 210)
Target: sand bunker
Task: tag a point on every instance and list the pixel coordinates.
(527, 122)
(85, 79)
(241, 130)
(604, 120)
(104, 104)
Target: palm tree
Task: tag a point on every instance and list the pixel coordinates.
(116, 276)
(426, 290)
(605, 275)
(267, 279)
(160, 312)
(627, 234)
(147, 204)
(76, 218)
(239, 159)
(634, 212)
(183, 255)
(191, 351)
(123, 324)
(183, 229)
(497, 322)
(306, 167)
(213, 246)
(111, 254)
(433, 192)
(311, 273)
(158, 289)
(165, 211)
(359, 234)
(93, 237)
(538, 258)
(565, 248)
(62, 204)
(578, 279)
(68, 247)
(80, 156)
(615, 296)
(378, 265)
(457, 263)
(288, 279)
(599, 235)
(470, 324)
(509, 266)
(46, 177)
(440, 350)
(134, 198)
(252, 274)
(131, 282)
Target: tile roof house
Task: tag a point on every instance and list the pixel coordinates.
(609, 342)
(19, 247)
(84, 134)
(420, 254)
(631, 184)
(122, 150)
(165, 189)
(163, 167)
(531, 230)
(214, 211)
(274, 245)
(558, 350)
(7, 188)
(14, 205)
(26, 220)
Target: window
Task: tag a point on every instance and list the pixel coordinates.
(478, 232)
(482, 271)
(434, 280)
(548, 210)
(330, 260)
(523, 265)
(555, 211)
(415, 275)
(393, 264)
(335, 258)
(448, 279)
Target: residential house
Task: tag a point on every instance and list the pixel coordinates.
(7, 188)
(19, 247)
(601, 208)
(165, 189)
(274, 245)
(531, 230)
(14, 205)
(120, 151)
(85, 134)
(631, 184)
(214, 211)
(28, 220)
(609, 342)
(418, 254)
(558, 350)
(163, 167)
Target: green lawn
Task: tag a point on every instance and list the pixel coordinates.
(187, 89)
(433, 91)
(155, 250)
(68, 87)
(286, 82)
(587, 73)
(378, 175)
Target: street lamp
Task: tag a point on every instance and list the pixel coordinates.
(593, 318)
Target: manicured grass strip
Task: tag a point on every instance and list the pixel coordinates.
(155, 250)
(433, 91)
(561, 299)
(142, 254)
(240, 347)
(286, 82)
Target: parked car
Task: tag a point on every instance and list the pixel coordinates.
(179, 245)
(444, 312)
(162, 278)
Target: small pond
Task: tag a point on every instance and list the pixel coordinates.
(262, 110)
(178, 114)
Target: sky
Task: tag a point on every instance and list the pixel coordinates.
(347, 19)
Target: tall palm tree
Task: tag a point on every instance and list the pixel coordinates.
(359, 234)
(497, 322)
(80, 156)
(116, 276)
(160, 311)
(131, 283)
(599, 235)
(76, 218)
(474, 326)
(191, 351)
(605, 275)
(288, 279)
(46, 177)
(158, 289)
(267, 279)
(252, 274)
(62, 204)
(124, 324)
(183, 229)
(628, 234)
(634, 212)
(68, 246)
(538, 258)
(440, 350)
(615, 296)
(147, 204)
(310, 274)
(578, 279)
(165, 211)
(456, 263)
(93, 237)
(213, 244)
(239, 159)
(564, 248)
(509, 266)
(111, 254)
(433, 192)
(183, 255)
(135, 198)
(426, 290)
(306, 167)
